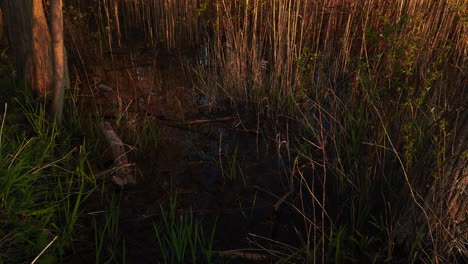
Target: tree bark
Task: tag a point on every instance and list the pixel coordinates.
(30, 41)
(56, 28)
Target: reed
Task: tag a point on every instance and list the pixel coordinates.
(367, 81)
(279, 49)
(174, 24)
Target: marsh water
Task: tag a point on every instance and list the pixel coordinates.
(220, 167)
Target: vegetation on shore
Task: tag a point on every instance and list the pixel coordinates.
(364, 100)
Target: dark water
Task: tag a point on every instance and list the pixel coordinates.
(226, 173)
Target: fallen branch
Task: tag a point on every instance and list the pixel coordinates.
(123, 174)
(44, 250)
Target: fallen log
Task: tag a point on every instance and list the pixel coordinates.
(123, 173)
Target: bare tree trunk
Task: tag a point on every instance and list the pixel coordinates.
(38, 59)
(56, 28)
(30, 41)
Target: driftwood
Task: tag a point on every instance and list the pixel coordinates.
(123, 173)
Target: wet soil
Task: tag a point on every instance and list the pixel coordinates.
(220, 167)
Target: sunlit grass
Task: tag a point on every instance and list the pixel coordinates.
(44, 183)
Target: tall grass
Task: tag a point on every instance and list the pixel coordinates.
(370, 85)
(168, 23)
(365, 80)
(182, 239)
(44, 182)
(282, 49)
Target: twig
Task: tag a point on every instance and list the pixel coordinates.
(204, 121)
(44, 250)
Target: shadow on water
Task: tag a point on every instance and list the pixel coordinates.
(226, 176)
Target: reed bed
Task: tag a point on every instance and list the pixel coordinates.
(279, 48)
(276, 46)
(373, 87)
